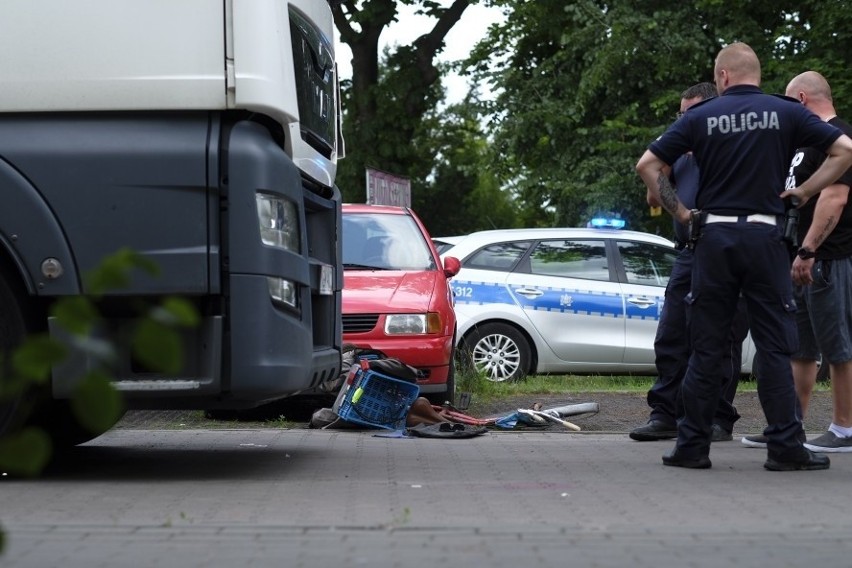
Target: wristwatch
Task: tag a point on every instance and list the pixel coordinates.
(805, 253)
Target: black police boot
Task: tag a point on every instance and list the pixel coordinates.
(654, 430)
(720, 434)
(677, 459)
(797, 459)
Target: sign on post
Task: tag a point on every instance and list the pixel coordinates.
(387, 189)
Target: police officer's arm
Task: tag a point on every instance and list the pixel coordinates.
(829, 207)
(838, 161)
(654, 172)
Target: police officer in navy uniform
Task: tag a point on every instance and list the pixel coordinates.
(671, 344)
(743, 141)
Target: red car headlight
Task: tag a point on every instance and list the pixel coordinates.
(413, 324)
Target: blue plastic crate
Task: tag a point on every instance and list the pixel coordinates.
(378, 400)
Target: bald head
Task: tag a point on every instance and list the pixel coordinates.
(812, 90)
(811, 84)
(736, 64)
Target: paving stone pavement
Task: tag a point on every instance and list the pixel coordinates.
(314, 498)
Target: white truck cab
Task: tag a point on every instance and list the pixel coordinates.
(203, 134)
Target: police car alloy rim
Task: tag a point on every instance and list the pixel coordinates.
(498, 356)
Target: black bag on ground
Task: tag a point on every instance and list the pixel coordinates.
(379, 362)
(395, 369)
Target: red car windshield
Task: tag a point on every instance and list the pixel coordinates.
(389, 242)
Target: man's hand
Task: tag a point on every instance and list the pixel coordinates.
(801, 271)
(653, 199)
(799, 198)
(838, 161)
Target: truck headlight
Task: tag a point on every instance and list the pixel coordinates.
(278, 220)
(403, 324)
(283, 292)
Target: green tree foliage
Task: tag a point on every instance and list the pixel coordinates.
(393, 121)
(387, 105)
(817, 35)
(462, 194)
(586, 85)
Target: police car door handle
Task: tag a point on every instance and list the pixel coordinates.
(529, 292)
(642, 301)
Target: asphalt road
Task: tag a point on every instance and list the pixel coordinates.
(298, 497)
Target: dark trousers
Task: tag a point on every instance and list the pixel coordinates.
(749, 259)
(672, 347)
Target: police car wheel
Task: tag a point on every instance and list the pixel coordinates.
(499, 351)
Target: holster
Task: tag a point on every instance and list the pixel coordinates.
(791, 228)
(696, 220)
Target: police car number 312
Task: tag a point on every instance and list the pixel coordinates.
(575, 300)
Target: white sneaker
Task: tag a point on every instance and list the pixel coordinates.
(755, 441)
(830, 443)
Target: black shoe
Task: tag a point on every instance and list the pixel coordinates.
(654, 430)
(803, 460)
(674, 459)
(720, 434)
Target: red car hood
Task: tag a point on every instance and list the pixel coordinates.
(388, 291)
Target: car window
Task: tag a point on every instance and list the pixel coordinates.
(441, 246)
(646, 263)
(497, 256)
(571, 259)
(392, 242)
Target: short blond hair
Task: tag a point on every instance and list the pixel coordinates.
(741, 63)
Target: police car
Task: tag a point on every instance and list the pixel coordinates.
(576, 300)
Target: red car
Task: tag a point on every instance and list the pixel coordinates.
(396, 294)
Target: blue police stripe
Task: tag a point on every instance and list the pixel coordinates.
(574, 301)
(566, 300)
(480, 293)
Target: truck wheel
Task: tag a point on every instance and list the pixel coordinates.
(499, 351)
(57, 419)
(53, 416)
(13, 331)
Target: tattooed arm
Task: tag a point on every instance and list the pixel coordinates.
(653, 172)
(827, 211)
(668, 197)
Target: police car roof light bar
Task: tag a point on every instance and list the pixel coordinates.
(611, 222)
